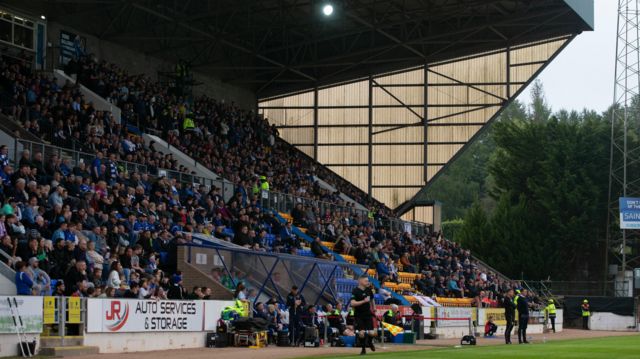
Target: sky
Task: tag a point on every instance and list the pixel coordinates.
(582, 75)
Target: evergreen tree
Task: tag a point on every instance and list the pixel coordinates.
(546, 180)
(540, 110)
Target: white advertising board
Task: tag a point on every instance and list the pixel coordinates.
(453, 316)
(29, 308)
(136, 315)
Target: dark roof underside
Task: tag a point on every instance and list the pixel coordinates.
(279, 46)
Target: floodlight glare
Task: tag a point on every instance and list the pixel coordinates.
(327, 10)
(43, 17)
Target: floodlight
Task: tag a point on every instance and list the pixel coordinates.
(327, 10)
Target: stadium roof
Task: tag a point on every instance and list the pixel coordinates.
(279, 46)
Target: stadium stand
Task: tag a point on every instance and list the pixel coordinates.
(199, 128)
(149, 168)
(101, 213)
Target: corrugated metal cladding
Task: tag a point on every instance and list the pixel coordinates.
(430, 214)
(422, 214)
(385, 144)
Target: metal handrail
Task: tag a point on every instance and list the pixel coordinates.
(568, 288)
(280, 201)
(5, 255)
(5, 269)
(77, 156)
(490, 268)
(8, 272)
(10, 126)
(293, 257)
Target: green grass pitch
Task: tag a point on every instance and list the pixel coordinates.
(611, 348)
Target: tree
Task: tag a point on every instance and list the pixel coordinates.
(552, 177)
(475, 232)
(516, 248)
(539, 111)
(545, 178)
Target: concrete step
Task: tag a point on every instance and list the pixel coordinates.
(55, 341)
(69, 351)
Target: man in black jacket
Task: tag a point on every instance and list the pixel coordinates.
(309, 319)
(295, 304)
(176, 290)
(523, 316)
(509, 315)
(77, 274)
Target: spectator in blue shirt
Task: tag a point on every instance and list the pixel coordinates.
(382, 270)
(69, 233)
(24, 284)
(30, 212)
(5, 175)
(96, 165)
(65, 167)
(112, 169)
(32, 96)
(454, 288)
(130, 225)
(177, 227)
(142, 224)
(59, 234)
(4, 156)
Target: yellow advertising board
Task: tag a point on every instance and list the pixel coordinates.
(49, 310)
(74, 310)
(496, 313)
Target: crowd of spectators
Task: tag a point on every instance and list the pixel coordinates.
(445, 269)
(101, 235)
(236, 144)
(100, 230)
(59, 114)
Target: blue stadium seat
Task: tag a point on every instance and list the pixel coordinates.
(346, 285)
(379, 299)
(228, 232)
(345, 297)
(164, 257)
(53, 286)
(270, 239)
(305, 253)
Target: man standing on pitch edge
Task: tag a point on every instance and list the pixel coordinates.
(523, 316)
(364, 312)
(509, 315)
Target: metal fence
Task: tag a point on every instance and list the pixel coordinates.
(59, 313)
(573, 288)
(283, 202)
(269, 275)
(75, 157)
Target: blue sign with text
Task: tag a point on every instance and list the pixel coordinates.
(629, 213)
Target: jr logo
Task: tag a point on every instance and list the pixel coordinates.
(115, 311)
(116, 315)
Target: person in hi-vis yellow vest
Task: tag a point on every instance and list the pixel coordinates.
(188, 124)
(586, 313)
(264, 184)
(550, 314)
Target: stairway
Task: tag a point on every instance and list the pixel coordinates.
(67, 346)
